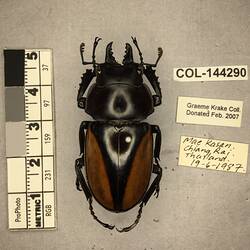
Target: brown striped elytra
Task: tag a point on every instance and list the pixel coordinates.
(117, 186)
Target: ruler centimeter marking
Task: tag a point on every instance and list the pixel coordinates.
(31, 176)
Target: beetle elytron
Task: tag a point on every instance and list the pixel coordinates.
(117, 148)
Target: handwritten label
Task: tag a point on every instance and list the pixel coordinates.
(215, 73)
(209, 111)
(213, 154)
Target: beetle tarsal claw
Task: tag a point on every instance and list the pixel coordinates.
(134, 40)
(97, 39)
(125, 229)
(81, 102)
(78, 185)
(157, 191)
(160, 51)
(82, 47)
(78, 163)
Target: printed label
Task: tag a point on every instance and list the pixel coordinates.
(215, 73)
(46, 102)
(209, 111)
(47, 137)
(46, 67)
(35, 210)
(213, 154)
(48, 174)
(17, 211)
(49, 210)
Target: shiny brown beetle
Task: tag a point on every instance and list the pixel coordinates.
(118, 151)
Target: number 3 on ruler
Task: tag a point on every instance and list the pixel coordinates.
(34, 125)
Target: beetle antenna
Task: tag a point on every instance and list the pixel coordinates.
(97, 39)
(136, 45)
(160, 52)
(82, 49)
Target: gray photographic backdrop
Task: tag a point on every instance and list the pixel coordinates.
(197, 209)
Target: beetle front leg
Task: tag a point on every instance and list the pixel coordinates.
(153, 80)
(86, 79)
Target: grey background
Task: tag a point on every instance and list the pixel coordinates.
(197, 209)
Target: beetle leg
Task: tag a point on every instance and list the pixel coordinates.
(84, 125)
(156, 167)
(80, 180)
(157, 147)
(153, 79)
(155, 185)
(128, 228)
(95, 217)
(86, 79)
(157, 170)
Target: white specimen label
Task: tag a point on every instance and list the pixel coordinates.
(213, 154)
(209, 111)
(214, 73)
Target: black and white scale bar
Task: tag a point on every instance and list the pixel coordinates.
(29, 192)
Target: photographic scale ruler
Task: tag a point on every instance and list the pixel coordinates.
(30, 138)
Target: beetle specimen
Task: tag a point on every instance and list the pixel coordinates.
(118, 150)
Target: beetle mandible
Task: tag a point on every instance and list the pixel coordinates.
(118, 150)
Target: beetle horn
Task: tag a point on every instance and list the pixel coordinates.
(109, 58)
(128, 57)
